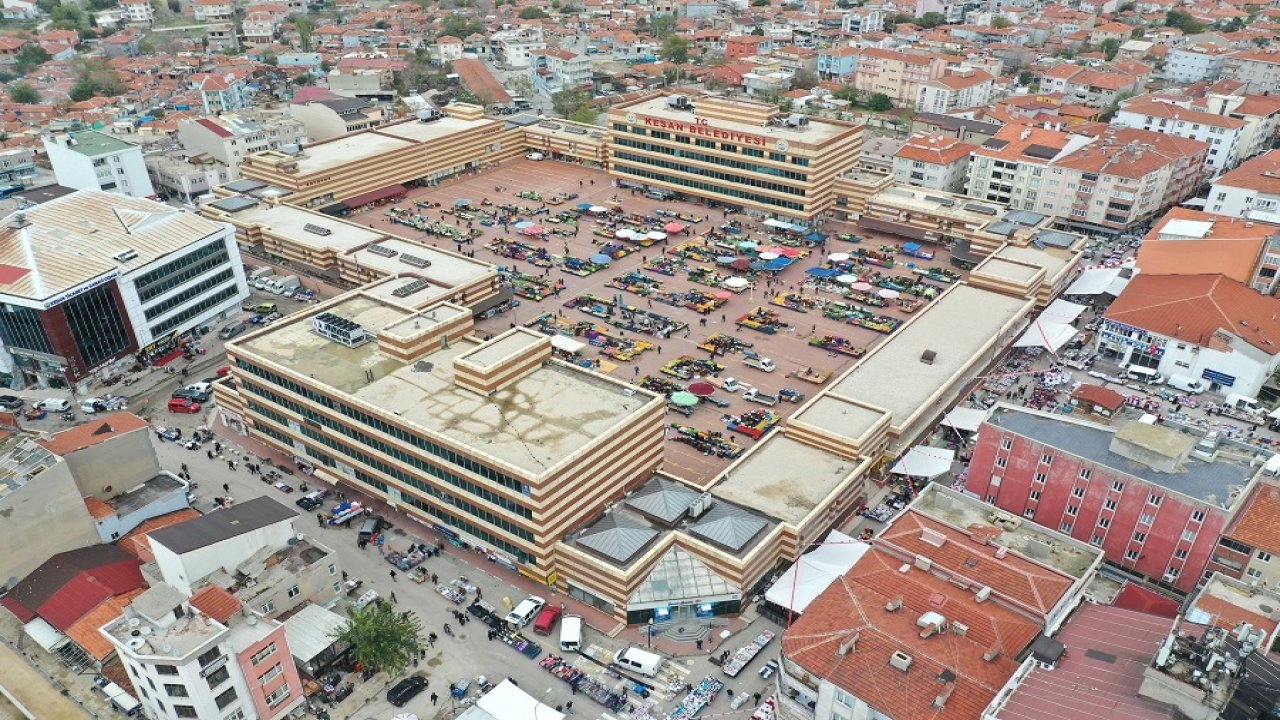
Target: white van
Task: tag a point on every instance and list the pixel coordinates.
(1243, 403)
(1147, 375)
(638, 661)
(1187, 384)
(55, 405)
(571, 632)
(526, 611)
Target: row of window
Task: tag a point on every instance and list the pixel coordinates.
(212, 301)
(387, 428)
(712, 159)
(709, 144)
(389, 450)
(694, 184)
(172, 274)
(161, 308)
(728, 177)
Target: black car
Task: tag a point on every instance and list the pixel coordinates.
(406, 690)
(192, 395)
(11, 402)
(312, 500)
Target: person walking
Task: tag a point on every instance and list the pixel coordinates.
(393, 576)
(434, 699)
(231, 465)
(320, 519)
(217, 448)
(184, 467)
(226, 487)
(393, 594)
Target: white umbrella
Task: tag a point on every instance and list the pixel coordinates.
(888, 294)
(838, 257)
(847, 279)
(769, 256)
(655, 235)
(599, 209)
(736, 282)
(625, 234)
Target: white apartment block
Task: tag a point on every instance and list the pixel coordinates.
(1223, 134)
(1195, 63)
(91, 160)
(138, 12)
(513, 46)
(958, 91)
(233, 136)
(1259, 70)
(936, 162)
(862, 20)
(1252, 190)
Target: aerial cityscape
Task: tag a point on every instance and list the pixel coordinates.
(653, 360)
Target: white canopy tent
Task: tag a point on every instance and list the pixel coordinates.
(1062, 311)
(1049, 335)
(509, 702)
(814, 572)
(1098, 281)
(966, 419)
(924, 461)
(567, 344)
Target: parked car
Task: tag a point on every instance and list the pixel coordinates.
(183, 405)
(192, 395)
(11, 402)
(406, 690)
(231, 329)
(535, 156)
(312, 500)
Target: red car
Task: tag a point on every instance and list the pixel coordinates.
(183, 405)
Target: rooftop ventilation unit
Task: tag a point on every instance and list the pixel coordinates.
(411, 288)
(125, 256)
(340, 329)
(382, 250)
(414, 260)
(900, 661)
(701, 505)
(317, 229)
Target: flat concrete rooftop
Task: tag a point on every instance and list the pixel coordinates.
(420, 132)
(505, 346)
(532, 424)
(347, 149)
(446, 268)
(783, 478)
(934, 202)
(956, 326)
(839, 416)
(290, 222)
(1053, 260)
(816, 132)
(1019, 272)
(1206, 481)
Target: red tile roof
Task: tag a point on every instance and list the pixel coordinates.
(215, 602)
(1258, 522)
(1034, 586)
(1102, 685)
(934, 149)
(856, 605)
(135, 542)
(98, 430)
(1192, 308)
(1261, 173)
(84, 632)
(70, 584)
(1097, 395)
(1231, 247)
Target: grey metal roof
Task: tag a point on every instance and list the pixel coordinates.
(222, 525)
(663, 500)
(244, 185)
(524, 120)
(1054, 238)
(1024, 217)
(1199, 479)
(234, 203)
(616, 540)
(728, 526)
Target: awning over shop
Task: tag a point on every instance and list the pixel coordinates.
(309, 632)
(1061, 311)
(893, 228)
(509, 702)
(567, 344)
(777, 224)
(1098, 281)
(966, 419)
(1049, 335)
(45, 635)
(821, 272)
(674, 227)
(814, 572)
(390, 191)
(924, 461)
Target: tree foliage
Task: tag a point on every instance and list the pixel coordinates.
(30, 57)
(847, 93)
(879, 102)
(566, 102)
(1001, 22)
(931, 20)
(804, 79)
(1109, 48)
(461, 26)
(1026, 77)
(662, 25)
(675, 49)
(95, 77)
(533, 13)
(305, 28)
(24, 94)
(382, 638)
(1183, 21)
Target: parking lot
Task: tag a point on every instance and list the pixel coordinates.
(789, 347)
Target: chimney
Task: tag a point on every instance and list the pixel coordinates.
(894, 605)
(940, 702)
(992, 653)
(849, 645)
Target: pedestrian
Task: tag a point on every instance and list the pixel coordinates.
(217, 448)
(434, 699)
(226, 488)
(231, 465)
(209, 453)
(434, 579)
(393, 576)
(729, 692)
(637, 369)
(393, 594)
(479, 594)
(756, 697)
(320, 519)
(698, 643)
(184, 467)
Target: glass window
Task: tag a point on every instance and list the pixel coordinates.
(97, 325)
(176, 690)
(226, 698)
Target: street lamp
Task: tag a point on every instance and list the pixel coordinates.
(649, 636)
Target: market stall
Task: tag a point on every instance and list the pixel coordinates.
(699, 697)
(705, 441)
(747, 653)
(687, 367)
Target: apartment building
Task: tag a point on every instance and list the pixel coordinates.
(514, 47)
(957, 90)
(204, 657)
(1222, 133)
(17, 165)
(862, 20)
(1203, 62)
(92, 160)
(1132, 489)
(1236, 247)
(552, 70)
(101, 278)
(184, 175)
(1101, 182)
(138, 12)
(738, 152)
(213, 11)
(1251, 190)
(896, 74)
(1095, 88)
(1259, 70)
(932, 619)
(838, 63)
(330, 117)
(937, 162)
(231, 137)
(1248, 548)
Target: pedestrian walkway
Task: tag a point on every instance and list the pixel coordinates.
(29, 693)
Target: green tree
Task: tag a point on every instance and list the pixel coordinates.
(662, 25)
(847, 93)
(804, 79)
(1127, 7)
(1109, 48)
(931, 20)
(30, 57)
(1183, 21)
(304, 79)
(879, 103)
(82, 90)
(69, 17)
(566, 102)
(381, 638)
(675, 49)
(305, 28)
(1026, 77)
(460, 26)
(1235, 24)
(533, 13)
(585, 114)
(902, 19)
(1001, 22)
(24, 94)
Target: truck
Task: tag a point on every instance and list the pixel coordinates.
(258, 272)
(763, 364)
(754, 395)
(287, 286)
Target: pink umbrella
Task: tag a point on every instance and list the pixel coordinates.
(702, 389)
(724, 295)
(674, 227)
(861, 287)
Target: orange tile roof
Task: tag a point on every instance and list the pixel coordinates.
(1228, 615)
(856, 604)
(84, 632)
(215, 602)
(135, 542)
(934, 149)
(1157, 109)
(1192, 308)
(98, 509)
(100, 429)
(1036, 587)
(1261, 173)
(1231, 247)
(1258, 523)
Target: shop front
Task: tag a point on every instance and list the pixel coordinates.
(680, 588)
